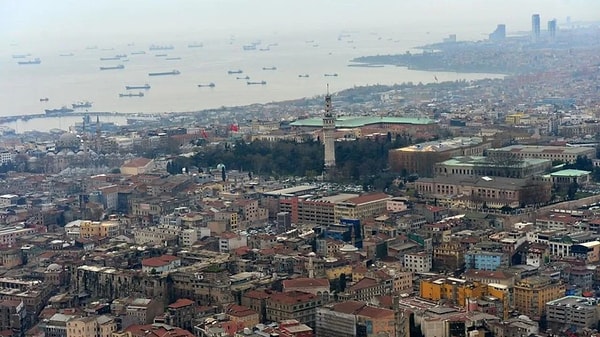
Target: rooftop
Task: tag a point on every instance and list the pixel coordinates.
(484, 161)
(543, 149)
(569, 173)
(443, 145)
(355, 122)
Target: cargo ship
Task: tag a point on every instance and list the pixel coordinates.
(114, 58)
(253, 83)
(210, 85)
(173, 72)
(303, 76)
(139, 94)
(155, 47)
(34, 61)
(173, 58)
(331, 75)
(45, 99)
(269, 68)
(234, 72)
(56, 112)
(85, 104)
(243, 78)
(120, 66)
(133, 87)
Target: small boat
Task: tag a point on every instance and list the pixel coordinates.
(249, 47)
(139, 94)
(303, 76)
(160, 55)
(45, 99)
(34, 61)
(243, 78)
(173, 72)
(234, 72)
(273, 44)
(91, 47)
(20, 56)
(138, 52)
(173, 58)
(265, 49)
(85, 104)
(269, 68)
(67, 55)
(195, 45)
(107, 49)
(114, 58)
(120, 66)
(133, 87)
(331, 75)
(253, 83)
(121, 55)
(210, 85)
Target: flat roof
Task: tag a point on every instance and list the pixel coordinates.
(355, 122)
(544, 149)
(443, 145)
(291, 191)
(481, 160)
(569, 173)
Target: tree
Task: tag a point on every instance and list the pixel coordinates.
(342, 282)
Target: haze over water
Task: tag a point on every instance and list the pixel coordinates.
(306, 34)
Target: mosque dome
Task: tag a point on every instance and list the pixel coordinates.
(68, 141)
(53, 268)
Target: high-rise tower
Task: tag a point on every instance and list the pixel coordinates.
(535, 27)
(328, 133)
(552, 29)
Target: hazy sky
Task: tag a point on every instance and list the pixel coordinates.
(49, 20)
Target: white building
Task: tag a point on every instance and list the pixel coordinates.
(418, 262)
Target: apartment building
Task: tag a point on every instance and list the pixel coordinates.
(531, 295)
(579, 312)
(420, 262)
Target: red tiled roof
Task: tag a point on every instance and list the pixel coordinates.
(180, 303)
(159, 261)
(366, 282)
(137, 162)
(239, 311)
(305, 282)
(257, 294)
(374, 312)
(348, 307)
(291, 297)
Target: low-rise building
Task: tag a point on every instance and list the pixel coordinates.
(577, 312)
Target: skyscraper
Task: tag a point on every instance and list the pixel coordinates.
(499, 34)
(328, 130)
(535, 27)
(552, 29)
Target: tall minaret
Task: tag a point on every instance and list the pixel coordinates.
(328, 131)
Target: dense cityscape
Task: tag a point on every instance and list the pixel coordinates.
(444, 209)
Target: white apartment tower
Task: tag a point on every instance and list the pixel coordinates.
(328, 133)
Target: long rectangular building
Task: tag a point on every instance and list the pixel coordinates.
(421, 158)
(476, 191)
(566, 154)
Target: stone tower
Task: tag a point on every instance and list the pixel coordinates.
(328, 133)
